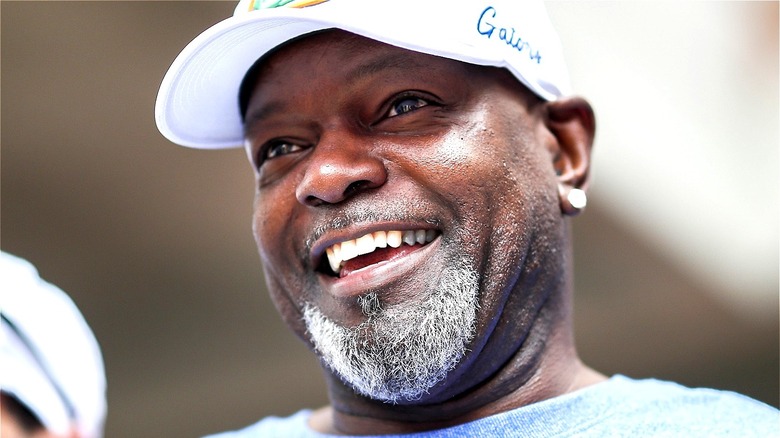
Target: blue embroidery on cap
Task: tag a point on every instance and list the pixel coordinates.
(507, 35)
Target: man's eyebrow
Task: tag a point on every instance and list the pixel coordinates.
(258, 114)
(398, 62)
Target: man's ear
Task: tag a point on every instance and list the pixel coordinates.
(573, 126)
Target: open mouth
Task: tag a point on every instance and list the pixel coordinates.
(380, 246)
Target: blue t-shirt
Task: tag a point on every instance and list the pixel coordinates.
(618, 407)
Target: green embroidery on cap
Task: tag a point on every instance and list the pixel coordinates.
(270, 4)
(267, 4)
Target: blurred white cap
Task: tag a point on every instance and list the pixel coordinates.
(49, 359)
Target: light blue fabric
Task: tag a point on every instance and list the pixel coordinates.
(619, 407)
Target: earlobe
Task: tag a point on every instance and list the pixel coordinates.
(573, 125)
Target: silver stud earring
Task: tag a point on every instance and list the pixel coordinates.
(577, 198)
(572, 200)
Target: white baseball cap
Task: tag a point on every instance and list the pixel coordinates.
(49, 358)
(198, 101)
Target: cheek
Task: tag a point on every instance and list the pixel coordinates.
(528, 201)
(487, 174)
(272, 232)
(279, 234)
(270, 227)
(263, 227)
(270, 221)
(509, 188)
(288, 306)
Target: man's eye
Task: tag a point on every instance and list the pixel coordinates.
(281, 148)
(405, 105)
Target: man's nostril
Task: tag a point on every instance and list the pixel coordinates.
(314, 201)
(355, 187)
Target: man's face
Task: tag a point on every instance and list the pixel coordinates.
(353, 138)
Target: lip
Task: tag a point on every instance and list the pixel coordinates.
(377, 275)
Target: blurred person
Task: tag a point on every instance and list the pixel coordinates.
(417, 165)
(52, 379)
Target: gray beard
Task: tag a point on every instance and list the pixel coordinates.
(403, 350)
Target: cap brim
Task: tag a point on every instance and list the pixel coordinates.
(197, 105)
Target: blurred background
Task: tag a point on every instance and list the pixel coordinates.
(676, 256)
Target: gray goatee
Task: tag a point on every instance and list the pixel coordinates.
(402, 350)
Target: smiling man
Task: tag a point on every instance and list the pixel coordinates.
(411, 269)
(416, 164)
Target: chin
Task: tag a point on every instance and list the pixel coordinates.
(401, 351)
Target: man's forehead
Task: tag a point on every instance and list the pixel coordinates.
(376, 57)
(360, 57)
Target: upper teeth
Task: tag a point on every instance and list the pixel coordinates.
(350, 249)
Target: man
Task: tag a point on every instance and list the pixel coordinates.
(416, 163)
(52, 382)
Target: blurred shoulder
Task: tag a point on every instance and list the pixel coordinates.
(295, 425)
(660, 407)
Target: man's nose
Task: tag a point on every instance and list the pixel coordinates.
(339, 167)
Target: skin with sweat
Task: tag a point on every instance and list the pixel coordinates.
(350, 136)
